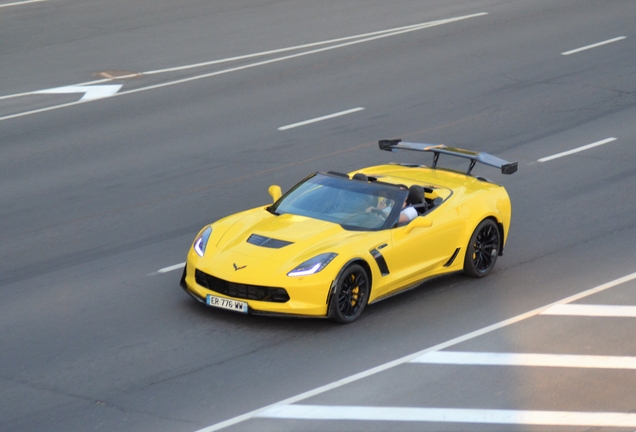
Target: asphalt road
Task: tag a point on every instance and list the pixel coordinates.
(98, 196)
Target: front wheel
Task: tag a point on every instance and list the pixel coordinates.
(483, 249)
(350, 296)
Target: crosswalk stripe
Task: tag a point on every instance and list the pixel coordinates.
(525, 359)
(403, 360)
(450, 415)
(591, 310)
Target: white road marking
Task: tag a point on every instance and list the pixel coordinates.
(238, 68)
(576, 150)
(90, 92)
(451, 415)
(593, 45)
(592, 310)
(525, 359)
(386, 366)
(20, 3)
(317, 119)
(172, 268)
(298, 47)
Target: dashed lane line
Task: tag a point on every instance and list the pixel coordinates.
(172, 268)
(577, 150)
(20, 3)
(585, 48)
(318, 119)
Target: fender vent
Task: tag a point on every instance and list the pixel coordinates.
(450, 261)
(268, 242)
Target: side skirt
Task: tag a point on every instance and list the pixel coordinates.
(412, 286)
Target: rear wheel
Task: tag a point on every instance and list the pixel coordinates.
(350, 296)
(483, 249)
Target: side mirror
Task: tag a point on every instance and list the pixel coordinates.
(418, 222)
(275, 192)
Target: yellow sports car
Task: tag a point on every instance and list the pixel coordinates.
(336, 242)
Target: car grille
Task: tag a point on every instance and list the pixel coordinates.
(273, 243)
(242, 291)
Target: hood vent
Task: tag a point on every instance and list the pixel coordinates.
(268, 242)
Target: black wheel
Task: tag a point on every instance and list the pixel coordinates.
(182, 282)
(483, 249)
(350, 296)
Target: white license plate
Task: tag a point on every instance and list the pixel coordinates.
(223, 303)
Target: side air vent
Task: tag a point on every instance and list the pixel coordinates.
(268, 242)
(450, 261)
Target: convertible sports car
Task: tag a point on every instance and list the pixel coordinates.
(336, 242)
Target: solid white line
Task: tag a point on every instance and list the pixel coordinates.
(592, 310)
(317, 119)
(386, 366)
(238, 68)
(576, 150)
(20, 3)
(297, 47)
(451, 415)
(171, 268)
(525, 359)
(593, 45)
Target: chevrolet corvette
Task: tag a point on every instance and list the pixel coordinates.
(336, 242)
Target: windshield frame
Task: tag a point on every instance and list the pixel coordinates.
(395, 192)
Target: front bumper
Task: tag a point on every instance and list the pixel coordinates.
(307, 295)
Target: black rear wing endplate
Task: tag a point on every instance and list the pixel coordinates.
(437, 149)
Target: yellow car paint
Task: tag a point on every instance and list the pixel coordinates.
(412, 253)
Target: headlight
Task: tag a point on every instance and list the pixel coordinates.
(313, 265)
(202, 241)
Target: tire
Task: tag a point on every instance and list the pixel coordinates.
(483, 249)
(182, 282)
(350, 296)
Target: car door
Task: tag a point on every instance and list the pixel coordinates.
(418, 251)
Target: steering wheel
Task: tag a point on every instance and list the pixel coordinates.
(381, 214)
(365, 220)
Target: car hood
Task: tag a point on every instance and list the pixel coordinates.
(293, 237)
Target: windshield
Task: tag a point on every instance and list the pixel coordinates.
(353, 204)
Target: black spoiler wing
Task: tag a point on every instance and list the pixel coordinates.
(437, 149)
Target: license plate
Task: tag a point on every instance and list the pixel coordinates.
(223, 303)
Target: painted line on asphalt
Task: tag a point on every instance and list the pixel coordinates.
(576, 150)
(593, 45)
(318, 119)
(20, 3)
(592, 310)
(452, 415)
(172, 268)
(386, 366)
(242, 57)
(527, 359)
(243, 67)
(294, 48)
(90, 92)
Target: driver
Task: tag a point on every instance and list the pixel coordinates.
(407, 214)
(385, 205)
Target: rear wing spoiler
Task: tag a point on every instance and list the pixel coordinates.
(437, 149)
